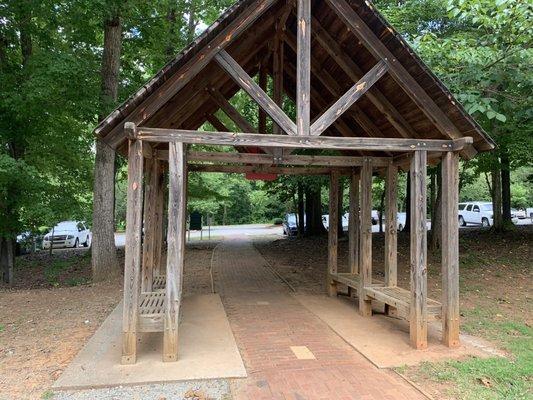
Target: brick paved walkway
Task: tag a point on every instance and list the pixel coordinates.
(268, 322)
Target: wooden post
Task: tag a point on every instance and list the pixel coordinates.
(160, 222)
(353, 224)
(151, 183)
(132, 267)
(176, 247)
(450, 249)
(303, 68)
(418, 308)
(365, 250)
(391, 226)
(333, 234)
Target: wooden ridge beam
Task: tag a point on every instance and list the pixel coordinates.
(244, 80)
(349, 98)
(265, 169)
(267, 159)
(311, 142)
(361, 30)
(183, 76)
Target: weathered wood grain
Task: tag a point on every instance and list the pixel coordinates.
(252, 88)
(365, 237)
(303, 68)
(176, 247)
(450, 249)
(132, 263)
(267, 169)
(333, 232)
(286, 141)
(349, 98)
(391, 225)
(418, 247)
(353, 224)
(151, 183)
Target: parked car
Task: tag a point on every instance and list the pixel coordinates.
(519, 213)
(478, 213)
(28, 242)
(375, 217)
(402, 217)
(290, 228)
(529, 213)
(68, 234)
(345, 217)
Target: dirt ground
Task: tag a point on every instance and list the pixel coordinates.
(45, 320)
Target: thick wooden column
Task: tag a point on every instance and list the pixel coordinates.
(391, 226)
(151, 183)
(333, 231)
(132, 267)
(176, 247)
(303, 68)
(365, 239)
(418, 309)
(450, 249)
(353, 224)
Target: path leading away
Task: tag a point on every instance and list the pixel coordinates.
(290, 353)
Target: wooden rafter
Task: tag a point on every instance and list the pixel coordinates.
(311, 142)
(244, 80)
(351, 69)
(266, 169)
(178, 80)
(303, 69)
(241, 122)
(361, 30)
(349, 98)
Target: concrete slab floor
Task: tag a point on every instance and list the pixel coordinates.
(207, 350)
(384, 340)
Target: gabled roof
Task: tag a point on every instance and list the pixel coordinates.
(179, 94)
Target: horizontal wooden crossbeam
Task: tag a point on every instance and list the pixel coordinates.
(309, 142)
(349, 98)
(244, 80)
(264, 169)
(267, 159)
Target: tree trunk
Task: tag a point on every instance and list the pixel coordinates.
(436, 213)
(191, 22)
(506, 187)
(104, 257)
(301, 210)
(497, 200)
(313, 213)
(170, 50)
(7, 258)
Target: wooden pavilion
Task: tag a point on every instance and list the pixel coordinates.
(358, 88)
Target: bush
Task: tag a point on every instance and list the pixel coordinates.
(278, 221)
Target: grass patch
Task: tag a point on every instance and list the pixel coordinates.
(47, 395)
(492, 378)
(52, 271)
(2, 328)
(78, 281)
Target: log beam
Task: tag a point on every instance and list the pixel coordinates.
(353, 224)
(176, 247)
(333, 234)
(365, 238)
(265, 169)
(391, 228)
(450, 250)
(310, 142)
(303, 69)
(418, 303)
(132, 267)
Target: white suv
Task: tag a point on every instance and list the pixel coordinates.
(477, 213)
(68, 234)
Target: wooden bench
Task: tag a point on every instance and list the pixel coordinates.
(159, 283)
(151, 311)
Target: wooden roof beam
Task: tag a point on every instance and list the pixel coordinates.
(349, 98)
(361, 30)
(303, 69)
(298, 142)
(254, 90)
(352, 70)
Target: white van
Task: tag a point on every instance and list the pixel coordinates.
(477, 213)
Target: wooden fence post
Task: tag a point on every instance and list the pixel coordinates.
(450, 249)
(333, 233)
(353, 224)
(418, 305)
(176, 247)
(365, 238)
(132, 268)
(391, 225)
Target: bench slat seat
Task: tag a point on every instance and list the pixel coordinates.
(151, 311)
